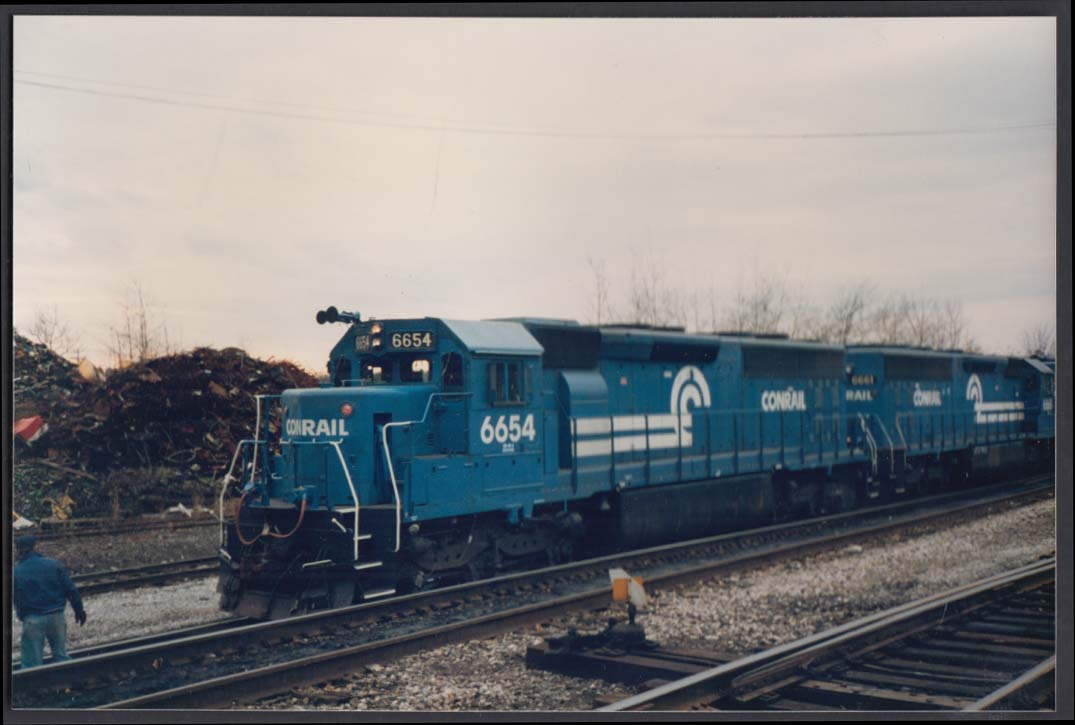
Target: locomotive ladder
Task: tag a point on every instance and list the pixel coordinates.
(891, 446)
(356, 565)
(870, 443)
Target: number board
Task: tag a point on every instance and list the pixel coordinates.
(411, 341)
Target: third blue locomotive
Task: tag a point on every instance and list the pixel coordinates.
(443, 450)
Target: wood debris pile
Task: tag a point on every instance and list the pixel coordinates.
(180, 413)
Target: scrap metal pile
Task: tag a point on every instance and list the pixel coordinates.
(182, 412)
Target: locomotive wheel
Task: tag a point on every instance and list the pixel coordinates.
(560, 552)
(482, 565)
(411, 579)
(567, 551)
(341, 593)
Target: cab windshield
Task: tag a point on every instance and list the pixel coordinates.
(395, 369)
(375, 371)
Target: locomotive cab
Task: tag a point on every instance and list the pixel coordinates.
(339, 481)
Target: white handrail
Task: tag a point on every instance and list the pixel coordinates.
(257, 433)
(891, 448)
(392, 475)
(883, 429)
(228, 479)
(227, 482)
(899, 429)
(347, 474)
(351, 485)
(869, 440)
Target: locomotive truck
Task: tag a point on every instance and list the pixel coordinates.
(446, 450)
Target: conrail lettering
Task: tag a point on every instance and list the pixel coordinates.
(926, 398)
(790, 399)
(319, 427)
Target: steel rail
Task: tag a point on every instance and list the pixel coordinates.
(1003, 698)
(149, 639)
(76, 531)
(67, 674)
(95, 582)
(784, 660)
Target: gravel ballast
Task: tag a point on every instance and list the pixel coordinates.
(128, 613)
(86, 554)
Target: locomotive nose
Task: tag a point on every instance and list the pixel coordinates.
(326, 414)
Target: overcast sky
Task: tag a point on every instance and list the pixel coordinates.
(249, 171)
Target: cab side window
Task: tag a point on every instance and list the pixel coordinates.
(342, 376)
(509, 383)
(451, 371)
(515, 383)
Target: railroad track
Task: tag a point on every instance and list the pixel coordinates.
(986, 645)
(150, 639)
(75, 529)
(214, 669)
(105, 581)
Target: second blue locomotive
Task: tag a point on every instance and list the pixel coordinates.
(443, 450)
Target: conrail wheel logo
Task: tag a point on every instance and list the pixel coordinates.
(689, 389)
(974, 389)
(610, 435)
(1002, 411)
(316, 427)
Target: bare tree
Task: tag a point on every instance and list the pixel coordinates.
(52, 331)
(702, 309)
(711, 307)
(675, 305)
(919, 315)
(761, 309)
(903, 319)
(951, 329)
(600, 298)
(846, 316)
(858, 313)
(651, 300)
(642, 297)
(885, 321)
(1040, 340)
(139, 336)
(805, 320)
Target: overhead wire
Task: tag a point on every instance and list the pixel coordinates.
(508, 131)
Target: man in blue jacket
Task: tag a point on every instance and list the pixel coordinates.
(42, 589)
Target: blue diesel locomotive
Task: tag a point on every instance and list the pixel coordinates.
(445, 450)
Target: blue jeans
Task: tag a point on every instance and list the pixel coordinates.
(36, 628)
